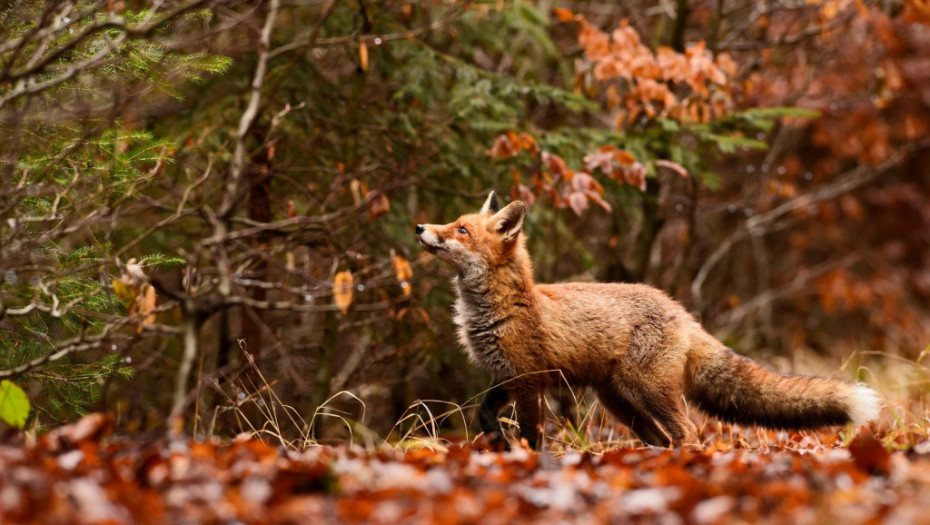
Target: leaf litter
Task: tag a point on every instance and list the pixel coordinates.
(80, 474)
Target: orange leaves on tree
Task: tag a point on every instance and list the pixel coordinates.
(652, 79)
(635, 176)
(510, 144)
(554, 164)
(404, 273)
(563, 15)
(343, 290)
(567, 188)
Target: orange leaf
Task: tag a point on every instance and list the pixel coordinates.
(343, 290)
(635, 175)
(363, 56)
(554, 162)
(562, 14)
(404, 273)
(146, 304)
(625, 158)
(503, 147)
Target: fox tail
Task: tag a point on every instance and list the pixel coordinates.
(738, 390)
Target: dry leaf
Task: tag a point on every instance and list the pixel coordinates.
(404, 273)
(363, 56)
(635, 175)
(146, 305)
(562, 14)
(379, 206)
(554, 163)
(578, 202)
(343, 290)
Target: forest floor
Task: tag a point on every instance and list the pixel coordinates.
(79, 474)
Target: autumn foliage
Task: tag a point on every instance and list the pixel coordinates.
(76, 474)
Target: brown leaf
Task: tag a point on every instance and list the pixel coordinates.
(554, 163)
(870, 455)
(379, 206)
(343, 290)
(503, 146)
(635, 175)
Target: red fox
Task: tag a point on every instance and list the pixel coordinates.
(640, 350)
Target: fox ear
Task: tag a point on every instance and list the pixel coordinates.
(509, 221)
(491, 205)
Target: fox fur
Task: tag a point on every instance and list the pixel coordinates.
(640, 350)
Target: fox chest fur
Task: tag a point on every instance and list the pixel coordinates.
(483, 329)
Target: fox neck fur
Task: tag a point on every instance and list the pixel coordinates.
(489, 298)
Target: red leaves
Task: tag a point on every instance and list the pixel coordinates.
(510, 144)
(652, 80)
(251, 481)
(567, 188)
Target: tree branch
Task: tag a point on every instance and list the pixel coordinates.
(250, 113)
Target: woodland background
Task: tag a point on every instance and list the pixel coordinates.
(207, 207)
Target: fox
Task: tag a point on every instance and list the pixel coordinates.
(641, 351)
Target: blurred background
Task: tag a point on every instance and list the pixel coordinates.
(208, 206)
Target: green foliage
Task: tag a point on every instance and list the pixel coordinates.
(14, 406)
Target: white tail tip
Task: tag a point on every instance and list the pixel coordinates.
(864, 404)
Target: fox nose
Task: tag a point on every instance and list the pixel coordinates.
(420, 229)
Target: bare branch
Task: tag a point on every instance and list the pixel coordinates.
(250, 113)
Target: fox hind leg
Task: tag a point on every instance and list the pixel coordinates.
(666, 406)
(639, 421)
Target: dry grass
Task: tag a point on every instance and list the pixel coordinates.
(902, 382)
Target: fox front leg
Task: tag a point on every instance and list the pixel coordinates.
(494, 400)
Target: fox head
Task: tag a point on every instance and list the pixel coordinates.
(477, 242)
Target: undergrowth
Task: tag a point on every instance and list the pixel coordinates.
(582, 425)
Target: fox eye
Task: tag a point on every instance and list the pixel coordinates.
(463, 230)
